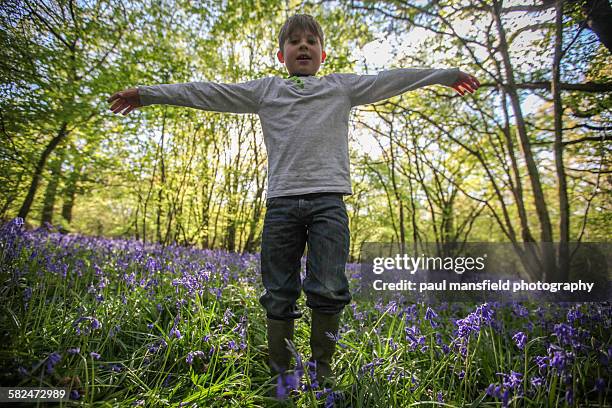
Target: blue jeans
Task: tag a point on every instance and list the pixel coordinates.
(319, 220)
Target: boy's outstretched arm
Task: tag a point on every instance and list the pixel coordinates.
(126, 101)
(465, 83)
(242, 97)
(365, 89)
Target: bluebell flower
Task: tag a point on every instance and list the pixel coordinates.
(542, 363)
(494, 390)
(565, 333)
(536, 382)
(430, 316)
(520, 310)
(569, 396)
(513, 381)
(95, 323)
(52, 360)
(600, 385)
(573, 315)
(174, 332)
(520, 339)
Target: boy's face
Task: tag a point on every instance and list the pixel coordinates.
(302, 53)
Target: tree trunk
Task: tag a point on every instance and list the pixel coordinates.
(42, 161)
(55, 169)
(598, 17)
(532, 169)
(160, 192)
(563, 258)
(69, 194)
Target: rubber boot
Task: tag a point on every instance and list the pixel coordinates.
(279, 331)
(323, 335)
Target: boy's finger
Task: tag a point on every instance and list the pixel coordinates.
(128, 110)
(114, 105)
(114, 96)
(468, 87)
(120, 107)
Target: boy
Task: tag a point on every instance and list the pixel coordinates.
(305, 127)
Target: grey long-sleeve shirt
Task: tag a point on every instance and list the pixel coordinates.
(305, 126)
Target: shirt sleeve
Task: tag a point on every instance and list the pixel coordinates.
(364, 89)
(211, 96)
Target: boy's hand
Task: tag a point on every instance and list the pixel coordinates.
(128, 99)
(465, 83)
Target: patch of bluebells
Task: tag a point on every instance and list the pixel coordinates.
(192, 272)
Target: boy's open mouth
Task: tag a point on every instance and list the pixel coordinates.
(303, 57)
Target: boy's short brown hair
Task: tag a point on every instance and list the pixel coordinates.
(299, 22)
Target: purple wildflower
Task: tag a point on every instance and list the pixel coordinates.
(227, 315)
(192, 354)
(569, 396)
(520, 310)
(520, 339)
(332, 398)
(283, 386)
(95, 323)
(560, 360)
(52, 360)
(27, 294)
(600, 385)
(166, 382)
(94, 355)
(573, 315)
(494, 391)
(430, 316)
(536, 382)
(542, 363)
(513, 381)
(175, 333)
(73, 351)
